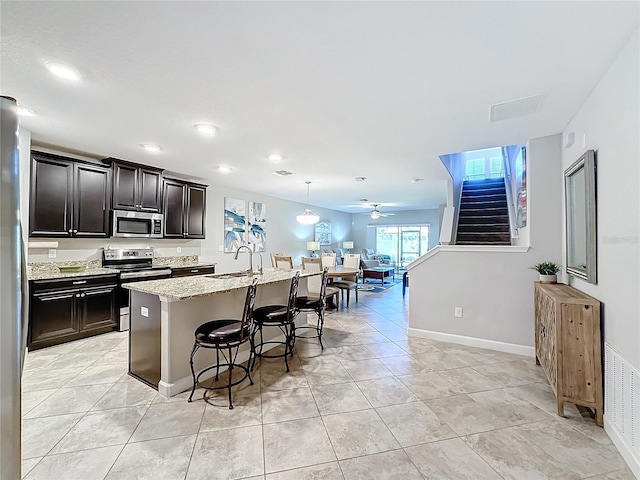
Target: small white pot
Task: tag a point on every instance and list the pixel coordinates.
(548, 278)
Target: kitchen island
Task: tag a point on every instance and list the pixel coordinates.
(165, 314)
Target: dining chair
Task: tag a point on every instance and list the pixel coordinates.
(273, 259)
(328, 259)
(226, 336)
(351, 260)
(314, 283)
(283, 262)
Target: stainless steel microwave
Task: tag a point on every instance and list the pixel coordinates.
(136, 224)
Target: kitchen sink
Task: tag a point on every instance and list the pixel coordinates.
(223, 276)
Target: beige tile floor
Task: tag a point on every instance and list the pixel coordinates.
(375, 404)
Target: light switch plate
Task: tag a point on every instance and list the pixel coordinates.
(144, 311)
(457, 312)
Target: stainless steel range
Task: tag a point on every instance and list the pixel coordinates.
(134, 265)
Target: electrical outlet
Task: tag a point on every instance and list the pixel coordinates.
(458, 312)
(53, 253)
(221, 248)
(144, 311)
(179, 249)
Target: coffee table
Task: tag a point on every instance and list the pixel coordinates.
(380, 272)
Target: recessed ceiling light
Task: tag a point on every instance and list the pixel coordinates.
(224, 169)
(151, 147)
(206, 129)
(276, 157)
(62, 71)
(25, 112)
(360, 179)
(416, 180)
(282, 173)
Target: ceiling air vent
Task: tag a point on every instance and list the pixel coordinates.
(282, 173)
(516, 108)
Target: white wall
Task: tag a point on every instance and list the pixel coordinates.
(494, 288)
(284, 233)
(364, 236)
(608, 123)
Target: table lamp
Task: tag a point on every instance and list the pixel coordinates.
(347, 246)
(313, 246)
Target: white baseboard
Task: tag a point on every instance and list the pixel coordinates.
(621, 443)
(473, 341)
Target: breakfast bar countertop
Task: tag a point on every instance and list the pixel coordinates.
(185, 288)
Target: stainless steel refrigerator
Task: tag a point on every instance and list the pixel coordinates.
(13, 293)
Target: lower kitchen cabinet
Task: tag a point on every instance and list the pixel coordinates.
(189, 271)
(69, 309)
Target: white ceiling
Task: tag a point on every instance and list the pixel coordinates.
(342, 89)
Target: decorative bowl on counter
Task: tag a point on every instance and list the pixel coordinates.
(72, 268)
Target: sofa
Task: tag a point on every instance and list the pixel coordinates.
(368, 254)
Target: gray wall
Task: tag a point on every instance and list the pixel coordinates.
(608, 122)
(494, 288)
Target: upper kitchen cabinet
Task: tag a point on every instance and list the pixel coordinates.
(184, 209)
(136, 187)
(69, 198)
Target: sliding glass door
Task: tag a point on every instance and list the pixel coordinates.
(403, 244)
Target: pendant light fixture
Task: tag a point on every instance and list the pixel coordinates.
(308, 217)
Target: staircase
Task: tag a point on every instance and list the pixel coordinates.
(483, 217)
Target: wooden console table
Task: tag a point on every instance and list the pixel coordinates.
(568, 345)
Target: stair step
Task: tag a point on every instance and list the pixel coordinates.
(471, 242)
(483, 219)
(483, 193)
(483, 227)
(502, 210)
(484, 181)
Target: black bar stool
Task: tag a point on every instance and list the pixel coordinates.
(316, 305)
(281, 316)
(225, 335)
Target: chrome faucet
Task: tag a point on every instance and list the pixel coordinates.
(235, 257)
(260, 255)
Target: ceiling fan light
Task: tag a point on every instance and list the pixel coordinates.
(375, 215)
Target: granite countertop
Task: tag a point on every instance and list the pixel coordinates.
(183, 261)
(185, 288)
(50, 271)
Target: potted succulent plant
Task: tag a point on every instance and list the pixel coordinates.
(548, 271)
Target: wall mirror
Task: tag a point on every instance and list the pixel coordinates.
(580, 213)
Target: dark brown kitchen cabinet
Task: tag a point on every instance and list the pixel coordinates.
(184, 209)
(69, 198)
(190, 271)
(69, 309)
(136, 187)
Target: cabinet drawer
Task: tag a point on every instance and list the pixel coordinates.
(187, 271)
(73, 283)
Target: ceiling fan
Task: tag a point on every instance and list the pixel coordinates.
(376, 214)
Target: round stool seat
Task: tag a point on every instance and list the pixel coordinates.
(224, 331)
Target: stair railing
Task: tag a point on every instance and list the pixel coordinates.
(511, 208)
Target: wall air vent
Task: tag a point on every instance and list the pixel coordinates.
(282, 173)
(516, 108)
